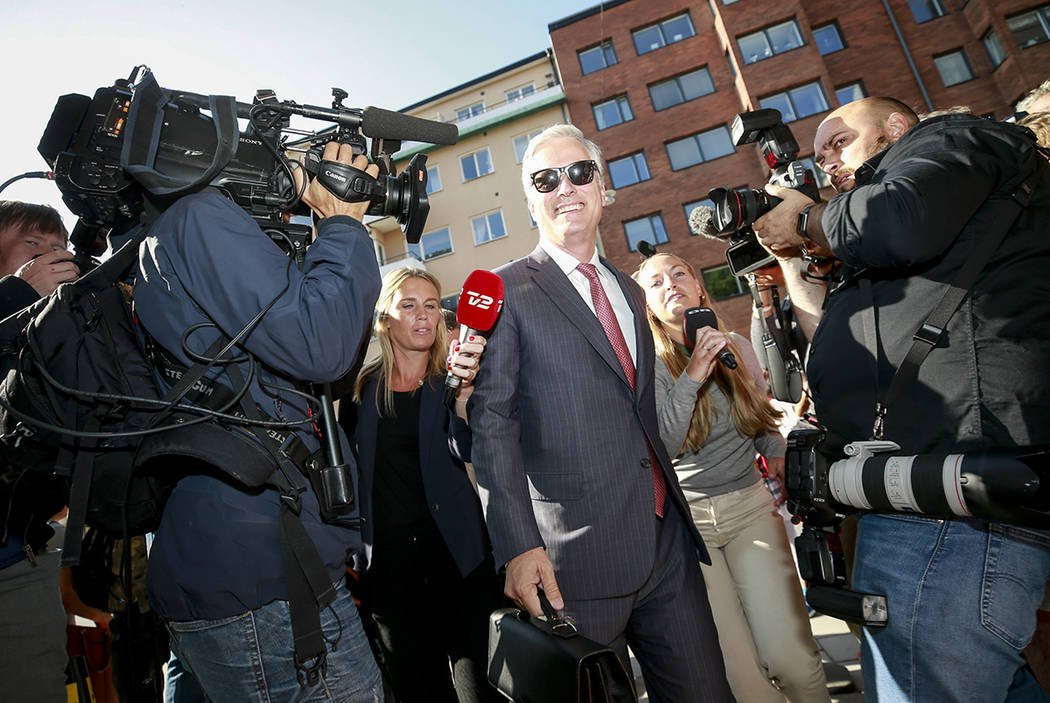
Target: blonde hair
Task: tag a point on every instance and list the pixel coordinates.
(1039, 123)
(750, 410)
(384, 364)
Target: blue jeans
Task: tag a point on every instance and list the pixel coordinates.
(249, 657)
(962, 599)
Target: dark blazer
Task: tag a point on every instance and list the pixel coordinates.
(453, 503)
(560, 439)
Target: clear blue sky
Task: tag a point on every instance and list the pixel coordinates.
(386, 53)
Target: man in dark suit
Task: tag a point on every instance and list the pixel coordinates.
(579, 493)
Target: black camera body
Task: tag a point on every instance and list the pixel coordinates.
(736, 210)
(113, 159)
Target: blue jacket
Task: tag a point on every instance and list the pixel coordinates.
(217, 551)
(444, 444)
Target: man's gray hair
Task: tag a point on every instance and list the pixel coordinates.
(1024, 103)
(561, 131)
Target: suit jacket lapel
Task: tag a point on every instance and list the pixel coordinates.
(644, 357)
(552, 281)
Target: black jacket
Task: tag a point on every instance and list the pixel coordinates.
(913, 219)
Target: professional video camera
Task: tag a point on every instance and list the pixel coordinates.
(134, 146)
(736, 210)
(1001, 485)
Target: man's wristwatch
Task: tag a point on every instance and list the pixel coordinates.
(803, 221)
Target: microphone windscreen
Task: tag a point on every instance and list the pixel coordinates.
(480, 301)
(386, 124)
(702, 222)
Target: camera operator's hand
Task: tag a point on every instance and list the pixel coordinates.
(777, 230)
(709, 342)
(321, 200)
(46, 271)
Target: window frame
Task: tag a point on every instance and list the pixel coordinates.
(485, 217)
(474, 109)
(834, 25)
(711, 289)
(927, 3)
(423, 256)
(474, 154)
(990, 37)
(659, 27)
(695, 136)
(961, 51)
(620, 101)
(601, 47)
(837, 89)
(527, 136)
(437, 172)
(633, 157)
(650, 217)
(1042, 15)
(787, 93)
(521, 90)
(676, 79)
(764, 31)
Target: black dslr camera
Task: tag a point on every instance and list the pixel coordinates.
(736, 210)
(826, 480)
(135, 147)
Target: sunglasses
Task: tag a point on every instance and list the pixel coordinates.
(579, 173)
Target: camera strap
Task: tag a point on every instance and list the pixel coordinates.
(1005, 212)
(143, 132)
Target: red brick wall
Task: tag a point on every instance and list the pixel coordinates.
(873, 54)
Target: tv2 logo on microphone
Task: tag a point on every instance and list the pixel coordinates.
(479, 300)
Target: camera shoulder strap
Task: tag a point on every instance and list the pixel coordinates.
(1006, 211)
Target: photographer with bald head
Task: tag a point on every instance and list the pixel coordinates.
(914, 202)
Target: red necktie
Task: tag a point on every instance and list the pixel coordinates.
(603, 309)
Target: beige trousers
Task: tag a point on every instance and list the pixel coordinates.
(753, 587)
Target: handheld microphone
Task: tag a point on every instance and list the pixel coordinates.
(479, 306)
(695, 318)
(702, 222)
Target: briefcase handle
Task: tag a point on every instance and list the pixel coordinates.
(560, 625)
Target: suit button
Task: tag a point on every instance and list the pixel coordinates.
(435, 508)
(646, 464)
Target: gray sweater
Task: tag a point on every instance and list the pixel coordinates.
(726, 462)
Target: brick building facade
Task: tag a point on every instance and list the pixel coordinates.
(656, 83)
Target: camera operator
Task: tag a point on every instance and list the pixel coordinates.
(914, 201)
(216, 572)
(33, 262)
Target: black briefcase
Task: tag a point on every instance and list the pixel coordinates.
(548, 661)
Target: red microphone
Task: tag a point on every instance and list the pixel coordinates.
(479, 306)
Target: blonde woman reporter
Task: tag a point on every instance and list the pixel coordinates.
(428, 581)
(714, 420)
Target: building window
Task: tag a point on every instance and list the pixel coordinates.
(679, 89)
(597, 57)
(822, 178)
(721, 283)
(828, 38)
(629, 170)
(612, 112)
(476, 165)
(769, 41)
(689, 207)
(994, 48)
(432, 245)
(794, 104)
(433, 180)
(470, 111)
(850, 92)
(954, 67)
(649, 228)
(926, 10)
(521, 92)
(698, 148)
(488, 227)
(522, 143)
(1032, 27)
(655, 36)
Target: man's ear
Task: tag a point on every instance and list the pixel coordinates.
(896, 125)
